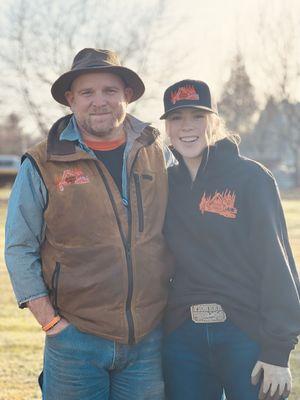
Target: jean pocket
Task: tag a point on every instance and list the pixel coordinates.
(60, 333)
(155, 335)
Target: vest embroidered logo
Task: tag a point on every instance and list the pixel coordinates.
(219, 203)
(71, 177)
(184, 93)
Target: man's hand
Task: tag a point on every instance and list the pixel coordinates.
(60, 326)
(276, 381)
(43, 311)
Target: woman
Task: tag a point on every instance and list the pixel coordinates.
(234, 312)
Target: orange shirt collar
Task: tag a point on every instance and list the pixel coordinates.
(105, 146)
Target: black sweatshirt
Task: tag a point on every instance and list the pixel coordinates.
(229, 237)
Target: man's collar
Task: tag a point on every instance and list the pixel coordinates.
(71, 132)
(134, 125)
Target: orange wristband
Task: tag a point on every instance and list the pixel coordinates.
(52, 323)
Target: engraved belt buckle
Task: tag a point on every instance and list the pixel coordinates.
(207, 313)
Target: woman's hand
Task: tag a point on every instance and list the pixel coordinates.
(276, 381)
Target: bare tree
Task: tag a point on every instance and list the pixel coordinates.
(12, 136)
(291, 133)
(280, 67)
(237, 104)
(42, 37)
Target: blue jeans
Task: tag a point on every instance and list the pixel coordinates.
(80, 366)
(202, 360)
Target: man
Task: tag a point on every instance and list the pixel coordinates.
(84, 247)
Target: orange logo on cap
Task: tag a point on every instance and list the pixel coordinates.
(219, 203)
(184, 93)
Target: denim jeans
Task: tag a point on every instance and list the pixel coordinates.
(80, 366)
(200, 361)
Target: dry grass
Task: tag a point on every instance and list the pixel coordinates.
(21, 340)
(292, 212)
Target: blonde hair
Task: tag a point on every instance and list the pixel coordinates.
(216, 130)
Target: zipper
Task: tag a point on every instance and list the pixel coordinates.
(55, 278)
(147, 176)
(139, 201)
(127, 247)
(131, 339)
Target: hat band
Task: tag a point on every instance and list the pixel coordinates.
(93, 66)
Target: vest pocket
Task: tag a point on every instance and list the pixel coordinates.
(139, 201)
(55, 278)
(147, 177)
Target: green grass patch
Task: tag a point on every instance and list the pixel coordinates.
(21, 340)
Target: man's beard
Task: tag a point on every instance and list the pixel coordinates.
(104, 129)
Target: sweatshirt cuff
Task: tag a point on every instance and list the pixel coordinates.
(275, 356)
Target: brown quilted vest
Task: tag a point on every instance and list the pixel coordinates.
(106, 266)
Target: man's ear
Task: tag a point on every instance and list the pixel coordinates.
(128, 94)
(69, 97)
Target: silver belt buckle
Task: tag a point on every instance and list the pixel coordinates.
(207, 313)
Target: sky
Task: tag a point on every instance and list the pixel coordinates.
(204, 37)
(217, 28)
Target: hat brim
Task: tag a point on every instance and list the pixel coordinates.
(207, 109)
(64, 82)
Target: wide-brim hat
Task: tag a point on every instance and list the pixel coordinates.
(188, 93)
(93, 60)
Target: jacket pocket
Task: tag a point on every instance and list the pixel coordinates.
(148, 177)
(139, 201)
(54, 284)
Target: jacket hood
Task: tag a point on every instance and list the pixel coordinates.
(216, 161)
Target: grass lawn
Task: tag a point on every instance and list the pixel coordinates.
(21, 340)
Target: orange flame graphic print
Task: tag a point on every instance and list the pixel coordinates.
(71, 177)
(184, 93)
(219, 203)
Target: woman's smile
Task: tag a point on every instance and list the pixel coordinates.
(189, 139)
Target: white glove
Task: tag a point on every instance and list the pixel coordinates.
(276, 381)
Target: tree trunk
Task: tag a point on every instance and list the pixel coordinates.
(297, 167)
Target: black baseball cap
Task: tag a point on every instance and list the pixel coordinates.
(188, 93)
